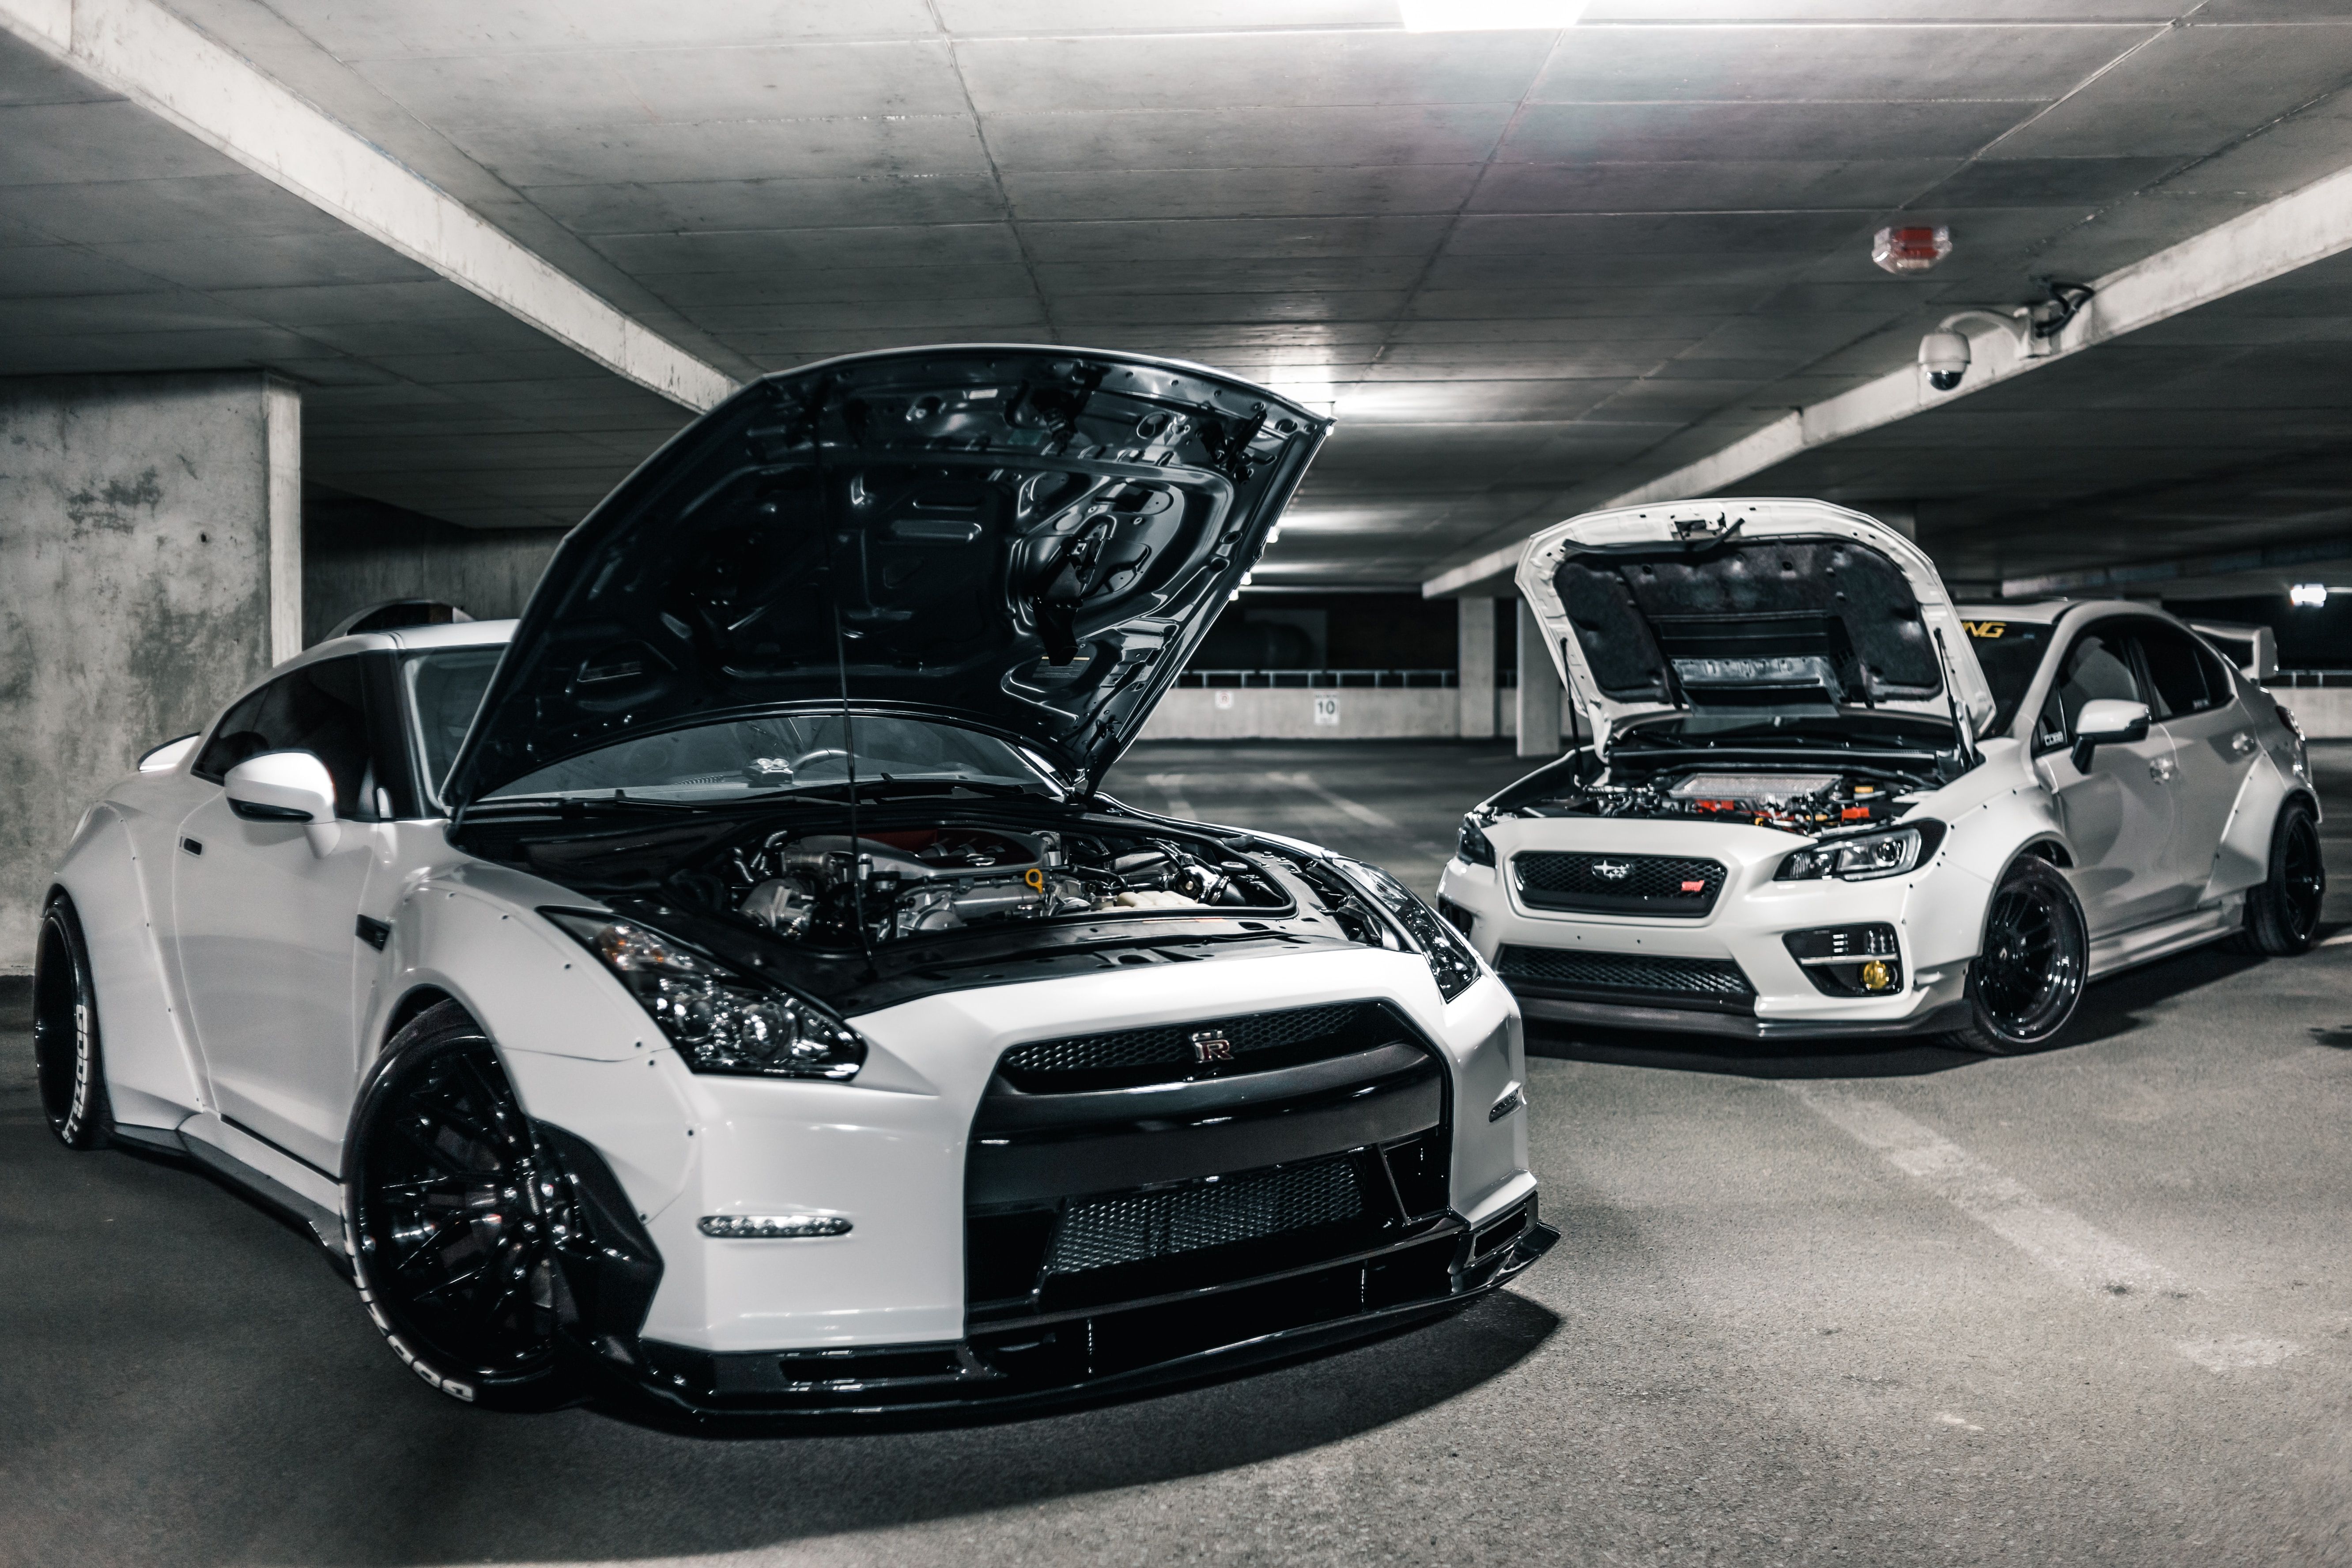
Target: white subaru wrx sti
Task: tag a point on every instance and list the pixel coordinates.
(728, 985)
(1819, 799)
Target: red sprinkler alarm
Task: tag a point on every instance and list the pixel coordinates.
(1902, 250)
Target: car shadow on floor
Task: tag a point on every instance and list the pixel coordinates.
(2110, 1010)
(186, 1367)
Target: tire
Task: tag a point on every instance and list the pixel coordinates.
(451, 1212)
(67, 1051)
(2029, 969)
(2283, 913)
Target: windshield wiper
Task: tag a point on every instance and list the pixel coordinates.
(598, 805)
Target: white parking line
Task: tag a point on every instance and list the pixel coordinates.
(1172, 786)
(1363, 814)
(2067, 1244)
(2237, 1351)
(2064, 1243)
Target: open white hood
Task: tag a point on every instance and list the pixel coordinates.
(1747, 606)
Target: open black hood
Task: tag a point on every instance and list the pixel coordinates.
(1028, 540)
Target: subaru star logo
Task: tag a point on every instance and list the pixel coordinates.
(1611, 870)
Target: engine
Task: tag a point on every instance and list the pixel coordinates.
(824, 886)
(1793, 802)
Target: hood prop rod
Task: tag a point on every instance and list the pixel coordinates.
(859, 861)
(1963, 725)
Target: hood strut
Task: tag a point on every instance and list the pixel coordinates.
(858, 860)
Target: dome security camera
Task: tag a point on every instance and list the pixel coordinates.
(1945, 357)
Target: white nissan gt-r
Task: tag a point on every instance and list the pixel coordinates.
(1819, 799)
(726, 986)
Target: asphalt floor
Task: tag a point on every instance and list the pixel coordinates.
(1893, 1305)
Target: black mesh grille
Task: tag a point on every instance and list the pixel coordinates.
(1351, 1025)
(1716, 981)
(1215, 1212)
(1675, 886)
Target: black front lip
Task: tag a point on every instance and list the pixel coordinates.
(672, 1397)
(1736, 1025)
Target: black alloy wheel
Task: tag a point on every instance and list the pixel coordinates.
(454, 1214)
(2283, 913)
(66, 1055)
(2029, 973)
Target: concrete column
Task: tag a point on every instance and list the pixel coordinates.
(1475, 638)
(150, 565)
(1538, 690)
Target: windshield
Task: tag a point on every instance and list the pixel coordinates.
(716, 762)
(2009, 651)
(445, 688)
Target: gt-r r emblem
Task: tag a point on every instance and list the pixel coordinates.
(1209, 1046)
(1612, 870)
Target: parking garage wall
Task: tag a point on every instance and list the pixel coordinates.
(359, 552)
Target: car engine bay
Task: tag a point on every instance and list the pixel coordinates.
(820, 887)
(1810, 802)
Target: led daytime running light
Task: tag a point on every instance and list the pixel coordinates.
(769, 1226)
(720, 1022)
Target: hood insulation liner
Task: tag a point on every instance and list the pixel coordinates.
(1793, 623)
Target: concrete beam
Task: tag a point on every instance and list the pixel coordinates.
(2273, 239)
(158, 60)
(2264, 566)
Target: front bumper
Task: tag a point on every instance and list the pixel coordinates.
(936, 1165)
(1731, 973)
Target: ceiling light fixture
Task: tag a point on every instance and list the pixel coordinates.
(1488, 16)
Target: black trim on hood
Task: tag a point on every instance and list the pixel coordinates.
(1026, 541)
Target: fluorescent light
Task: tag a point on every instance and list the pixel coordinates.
(1488, 16)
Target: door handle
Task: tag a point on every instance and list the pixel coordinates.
(2242, 742)
(2162, 769)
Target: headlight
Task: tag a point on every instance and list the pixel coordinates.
(1452, 962)
(1473, 845)
(719, 1021)
(1861, 858)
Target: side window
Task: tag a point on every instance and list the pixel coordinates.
(2179, 670)
(321, 708)
(2098, 666)
(236, 738)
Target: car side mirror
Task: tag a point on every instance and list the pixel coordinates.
(287, 787)
(2108, 721)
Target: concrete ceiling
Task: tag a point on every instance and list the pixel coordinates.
(1522, 266)
(2162, 462)
(127, 244)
